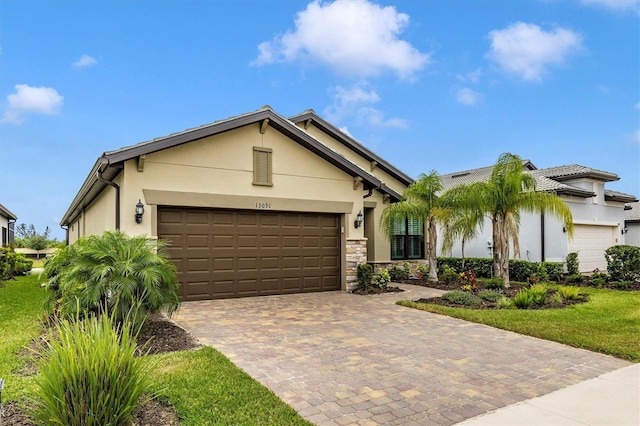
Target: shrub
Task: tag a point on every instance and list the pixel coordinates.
(553, 270)
(448, 275)
(422, 269)
(521, 270)
(539, 293)
(523, 299)
(556, 299)
(623, 263)
(575, 278)
(597, 282)
(490, 295)
(364, 276)
(568, 292)
(495, 284)
(469, 279)
(505, 303)
(127, 276)
(382, 278)
(622, 285)
(459, 297)
(573, 266)
(89, 375)
(12, 264)
(466, 287)
(399, 273)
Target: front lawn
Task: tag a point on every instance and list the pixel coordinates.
(608, 323)
(203, 385)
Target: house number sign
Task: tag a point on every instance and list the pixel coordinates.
(263, 205)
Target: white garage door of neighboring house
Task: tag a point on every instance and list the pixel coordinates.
(591, 241)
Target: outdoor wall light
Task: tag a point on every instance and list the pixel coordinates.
(623, 231)
(139, 211)
(564, 229)
(358, 222)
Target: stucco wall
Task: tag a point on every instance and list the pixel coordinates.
(632, 235)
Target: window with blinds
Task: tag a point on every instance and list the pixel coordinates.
(262, 166)
(407, 239)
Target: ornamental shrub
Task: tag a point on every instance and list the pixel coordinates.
(12, 264)
(459, 297)
(423, 270)
(554, 270)
(382, 278)
(623, 263)
(575, 278)
(448, 275)
(495, 284)
(399, 273)
(573, 266)
(490, 295)
(505, 303)
(364, 276)
(538, 293)
(569, 292)
(523, 299)
(89, 375)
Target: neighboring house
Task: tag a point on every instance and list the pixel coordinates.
(7, 223)
(632, 224)
(598, 216)
(256, 204)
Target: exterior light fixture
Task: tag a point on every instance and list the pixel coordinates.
(139, 211)
(564, 229)
(358, 222)
(624, 231)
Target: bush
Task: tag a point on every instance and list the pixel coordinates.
(89, 375)
(399, 273)
(523, 299)
(573, 266)
(495, 284)
(554, 270)
(622, 285)
(521, 270)
(364, 276)
(597, 282)
(569, 292)
(459, 297)
(382, 278)
(575, 278)
(12, 264)
(448, 275)
(556, 299)
(490, 295)
(422, 270)
(538, 293)
(623, 263)
(505, 303)
(127, 276)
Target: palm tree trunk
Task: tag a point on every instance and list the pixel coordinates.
(496, 247)
(504, 252)
(431, 250)
(463, 253)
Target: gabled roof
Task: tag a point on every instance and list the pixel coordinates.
(6, 213)
(610, 195)
(310, 116)
(632, 214)
(111, 162)
(574, 171)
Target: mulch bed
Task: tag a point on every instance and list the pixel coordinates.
(159, 335)
(377, 290)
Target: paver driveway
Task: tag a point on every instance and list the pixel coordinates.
(339, 358)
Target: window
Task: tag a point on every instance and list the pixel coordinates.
(407, 239)
(262, 166)
(4, 237)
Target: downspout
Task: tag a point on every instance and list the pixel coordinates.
(542, 255)
(66, 233)
(368, 194)
(114, 185)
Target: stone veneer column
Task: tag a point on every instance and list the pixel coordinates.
(356, 254)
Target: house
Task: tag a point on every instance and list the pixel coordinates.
(632, 224)
(598, 215)
(7, 223)
(256, 204)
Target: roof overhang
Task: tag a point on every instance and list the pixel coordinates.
(6, 213)
(111, 162)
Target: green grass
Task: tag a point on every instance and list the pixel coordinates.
(20, 322)
(38, 263)
(608, 323)
(203, 385)
(207, 388)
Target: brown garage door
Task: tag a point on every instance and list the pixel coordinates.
(236, 253)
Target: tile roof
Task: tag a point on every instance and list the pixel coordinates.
(575, 170)
(632, 214)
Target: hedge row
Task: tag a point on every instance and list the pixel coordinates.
(519, 270)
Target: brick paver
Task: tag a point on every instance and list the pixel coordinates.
(339, 358)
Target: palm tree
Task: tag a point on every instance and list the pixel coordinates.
(127, 276)
(419, 201)
(462, 223)
(509, 190)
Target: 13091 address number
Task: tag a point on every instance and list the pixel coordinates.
(263, 205)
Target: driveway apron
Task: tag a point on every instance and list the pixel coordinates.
(341, 359)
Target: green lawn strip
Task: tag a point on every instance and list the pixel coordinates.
(608, 323)
(20, 322)
(206, 388)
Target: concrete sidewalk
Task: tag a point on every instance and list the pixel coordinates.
(610, 399)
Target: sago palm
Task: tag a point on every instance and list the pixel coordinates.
(419, 201)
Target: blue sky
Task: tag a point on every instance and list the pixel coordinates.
(441, 84)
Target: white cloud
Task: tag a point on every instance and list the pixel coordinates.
(85, 61)
(527, 51)
(352, 37)
(636, 137)
(615, 4)
(357, 101)
(31, 100)
(472, 76)
(466, 96)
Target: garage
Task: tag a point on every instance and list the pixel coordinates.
(590, 242)
(242, 253)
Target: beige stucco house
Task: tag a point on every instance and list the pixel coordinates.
(256, 204)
